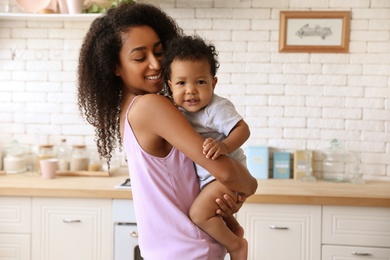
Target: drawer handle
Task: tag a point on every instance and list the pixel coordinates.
(279, 228)
(134, 234)
(361, 254)
(71, 220)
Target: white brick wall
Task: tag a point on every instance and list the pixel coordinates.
(291, 101)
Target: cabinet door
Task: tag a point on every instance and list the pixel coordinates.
(15, 246)
(15, 228)
(15, 215)
(280, 232)
(77, 229)
(354, 253)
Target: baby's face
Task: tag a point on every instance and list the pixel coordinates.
(192, 84)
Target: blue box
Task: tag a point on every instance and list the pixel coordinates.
(257, 161)
(281, 165)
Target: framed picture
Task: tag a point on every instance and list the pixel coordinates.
(314, 31)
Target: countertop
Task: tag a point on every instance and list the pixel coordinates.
(372, 193)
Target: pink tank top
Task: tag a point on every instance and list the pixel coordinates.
(163, 190)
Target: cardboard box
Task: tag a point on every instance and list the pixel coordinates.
(300, 164)
(281, 165)
(257, 161)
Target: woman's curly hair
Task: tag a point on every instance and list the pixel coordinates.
(189, 48)
(99, 89)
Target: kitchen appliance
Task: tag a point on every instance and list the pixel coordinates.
(125, 231)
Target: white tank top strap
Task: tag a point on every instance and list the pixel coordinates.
(128, 108)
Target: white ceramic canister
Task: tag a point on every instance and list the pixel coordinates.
(15, 163)
(15, 160)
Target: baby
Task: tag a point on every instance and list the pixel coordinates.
(190, 66)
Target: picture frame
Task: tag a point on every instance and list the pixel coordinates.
(314, 31)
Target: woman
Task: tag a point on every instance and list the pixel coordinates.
(119, 78)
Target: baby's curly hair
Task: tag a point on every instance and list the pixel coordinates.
(189, 48)
(99, 89)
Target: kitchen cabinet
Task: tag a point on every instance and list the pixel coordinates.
(15, 228)
(356, 233)
(77, 229)
(316, 232)
(279, 232)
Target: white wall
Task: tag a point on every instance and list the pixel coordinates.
(291, 101)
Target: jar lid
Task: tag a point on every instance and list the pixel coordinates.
(79, 146)
(46, 146)
(15, 148)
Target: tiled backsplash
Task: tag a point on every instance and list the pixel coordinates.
(290, 100)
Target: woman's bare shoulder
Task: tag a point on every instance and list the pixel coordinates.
(152, 100)
(151, 109)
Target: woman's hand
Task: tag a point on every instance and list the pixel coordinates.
(228, 206)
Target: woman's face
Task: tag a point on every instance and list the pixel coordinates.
(140, 61)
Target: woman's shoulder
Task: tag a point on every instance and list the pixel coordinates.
(152, 103)
(152, 99)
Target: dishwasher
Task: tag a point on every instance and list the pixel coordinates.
(126, 242)
(125, 231)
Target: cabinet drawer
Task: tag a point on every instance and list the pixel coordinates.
(354, 253)
(277, 232)
(359, 226)
(15, 215)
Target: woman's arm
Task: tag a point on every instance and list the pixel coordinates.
(163, 120)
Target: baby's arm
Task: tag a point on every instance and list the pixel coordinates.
(236, 138)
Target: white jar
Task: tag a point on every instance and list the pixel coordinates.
(15, 163)
(15, 160)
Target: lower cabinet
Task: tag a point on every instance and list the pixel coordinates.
(76, 229)
(355, 233)
(280, 232)
(83, 229)
(298, 232)
(15, 228)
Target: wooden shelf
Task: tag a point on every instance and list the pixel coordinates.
(48, 17)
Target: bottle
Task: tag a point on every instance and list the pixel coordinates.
(79, 160)
(45, 151)
(334, 164)
(355, 174)
(63, 156)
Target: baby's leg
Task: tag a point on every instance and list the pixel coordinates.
(234, 226)
(202, 213)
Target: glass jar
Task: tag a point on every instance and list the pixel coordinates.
(95, 163)
(335, 162)
(45, 151)
(63, 156)
(15, 160)
(79, 160)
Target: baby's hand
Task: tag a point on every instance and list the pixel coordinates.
(213, 148)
